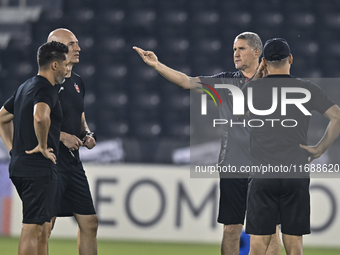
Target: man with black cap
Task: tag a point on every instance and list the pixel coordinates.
(279, 143)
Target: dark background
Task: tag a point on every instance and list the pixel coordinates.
(127, 99)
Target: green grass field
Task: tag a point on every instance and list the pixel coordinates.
(8, 246)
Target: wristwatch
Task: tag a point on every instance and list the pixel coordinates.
(92, 134)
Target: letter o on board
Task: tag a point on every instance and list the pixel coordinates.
(324, 189)
(132, 190)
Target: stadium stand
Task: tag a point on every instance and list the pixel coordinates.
(129, 100)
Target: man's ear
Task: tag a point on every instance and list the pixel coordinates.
(264, 63)
(257, 52)
(290, 59)
(54, 65)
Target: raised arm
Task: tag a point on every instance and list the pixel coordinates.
(42, 122)
(331, 133)
(6, 128)
(170, 74)
(262, 71)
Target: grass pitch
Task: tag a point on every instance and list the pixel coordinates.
(8, 246)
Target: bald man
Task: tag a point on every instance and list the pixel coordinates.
(73, 189)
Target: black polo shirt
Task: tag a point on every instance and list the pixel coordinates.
(35, 90)
(235, 140)
(277, 142)
(71, 97)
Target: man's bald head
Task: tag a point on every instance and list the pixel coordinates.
(59, 34)
(66, 37)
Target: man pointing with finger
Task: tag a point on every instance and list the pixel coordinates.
(247, 48)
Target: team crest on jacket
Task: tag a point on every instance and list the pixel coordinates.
(76, 87)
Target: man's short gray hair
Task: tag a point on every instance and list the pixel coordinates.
(253, 40)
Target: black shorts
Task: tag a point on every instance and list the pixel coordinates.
(288, 198)
(233, 200)
(37, 195)
(73, 194)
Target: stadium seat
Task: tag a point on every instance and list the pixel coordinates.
(177, 45)
(147, 130)
(111, 44)
(101, 6)
(174, 17)
(86, 43)
(85, 70)
(147, 101)
(146, 43)
(115, 71)
(269, 19)
(142, 17)
(116, 100)
(205, 18)
(114, 17)
(303, 20)
(82, 15)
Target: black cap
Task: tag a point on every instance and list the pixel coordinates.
(276, 49)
